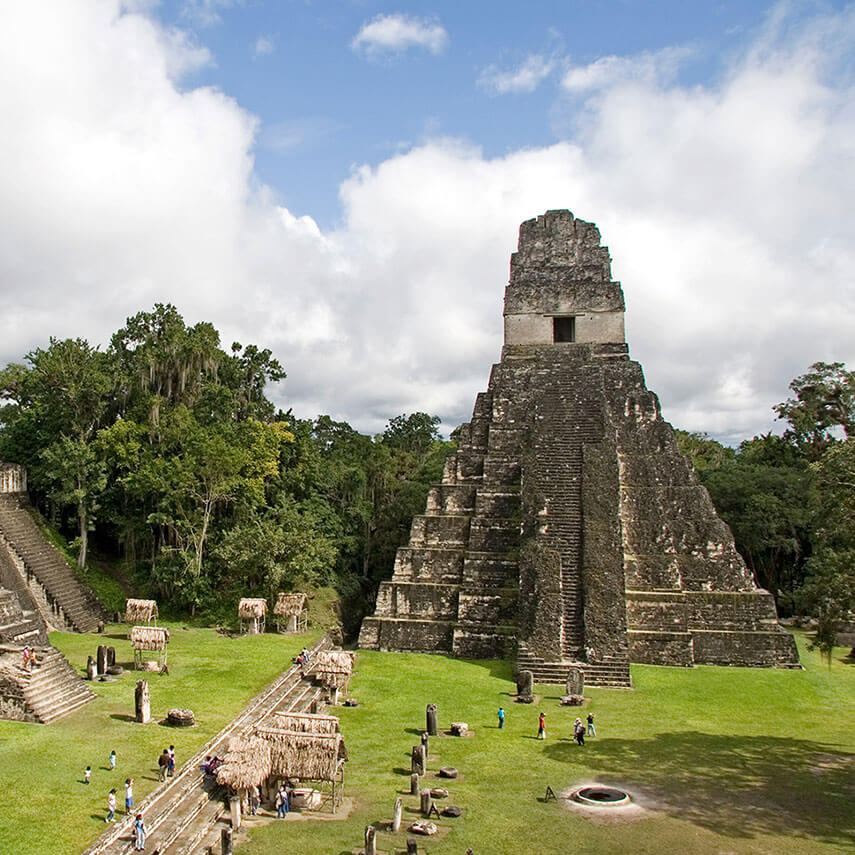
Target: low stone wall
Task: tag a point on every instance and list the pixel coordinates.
(660, 648)
(406, 634)
(757, 649)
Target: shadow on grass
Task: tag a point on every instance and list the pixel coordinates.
(400, 770)
(501, 668)
(737, 786)
(122, 717)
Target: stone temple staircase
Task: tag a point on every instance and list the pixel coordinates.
(68, 602)
(47, 692)
(612, 673)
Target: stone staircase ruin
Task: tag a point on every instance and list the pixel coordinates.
(53, 588)
(568, 529)
(45, 692)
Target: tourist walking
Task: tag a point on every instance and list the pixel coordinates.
(162, 765)
(129, 795)
(171, 765)
(254, 800)
(282, 805)
(501, 715)
(87, 774)
(591, 729)
(111, 807)
(541, 726)
(139, 833)
(579, 731)
(113, 759)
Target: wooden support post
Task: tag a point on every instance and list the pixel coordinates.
(550, 794)
(234, 808)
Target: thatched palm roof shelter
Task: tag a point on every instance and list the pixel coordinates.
(290, 609)
(306, 723)
(149, 638)
(141, 612)
(246, 764)
(252, 612)
(333, 668)
(308, 747)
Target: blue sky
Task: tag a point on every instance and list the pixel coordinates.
(324, 106)
(343, 183)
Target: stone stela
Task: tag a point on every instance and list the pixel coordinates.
(568, 529)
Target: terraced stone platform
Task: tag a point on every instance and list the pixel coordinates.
(568, 529)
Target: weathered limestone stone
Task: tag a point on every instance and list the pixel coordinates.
(102, 658)
(448, 772)
(451, 810)
(111, 657)
(142, 702)
(575, 682)
(370, 840)
(568, 526)
(525, 684)
(431, 715)
(418, 760)
(459, 728)
(397, 815)
(414, 784)
(181, 718)
(412, 846)
(425, 802)
(91, 668)
(227, 845)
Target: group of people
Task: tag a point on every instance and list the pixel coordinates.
(166, 763)
(209, 766)
(166, 766)
(139, 822)
(29, 657)
(303, 658)
(580, 728)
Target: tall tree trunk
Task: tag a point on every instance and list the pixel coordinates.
(84, 536)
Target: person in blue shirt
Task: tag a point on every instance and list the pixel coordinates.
(501, 715)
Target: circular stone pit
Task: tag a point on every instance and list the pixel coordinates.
(601, 796)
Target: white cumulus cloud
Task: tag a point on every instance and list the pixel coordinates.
(727, 209)
(391, 34)
(649, 67)
(526, 77)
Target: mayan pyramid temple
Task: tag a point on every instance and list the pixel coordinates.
(568, 530)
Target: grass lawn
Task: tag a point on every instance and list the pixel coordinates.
(723, 760)
(44, 805)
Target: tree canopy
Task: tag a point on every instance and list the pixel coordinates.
(166, 449)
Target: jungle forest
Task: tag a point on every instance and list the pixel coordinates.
(170, 472)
